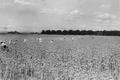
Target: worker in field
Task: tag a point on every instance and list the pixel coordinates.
(3, 46)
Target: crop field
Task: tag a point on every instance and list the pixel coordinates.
(59, 57)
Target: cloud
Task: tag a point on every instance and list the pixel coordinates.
(76, 12)
(105, 6)
(23, 2)
(105, 17)
(53, 11)
(59, 11)
(14, 27)
(5, 3)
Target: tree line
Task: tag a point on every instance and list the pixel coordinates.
(81, 32)
(70, 32)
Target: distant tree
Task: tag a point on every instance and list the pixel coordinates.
(53, 32)
(14, 32)
(65, 32)
(48, 32)
(59, 32)
(70, 31)
(76, 32)
(43, 32)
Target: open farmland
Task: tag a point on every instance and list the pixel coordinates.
(53, 57)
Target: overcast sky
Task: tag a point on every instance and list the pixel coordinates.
(35, 15)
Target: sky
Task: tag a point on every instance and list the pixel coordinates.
(36, 15)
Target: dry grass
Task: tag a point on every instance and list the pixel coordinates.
(83, 58)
